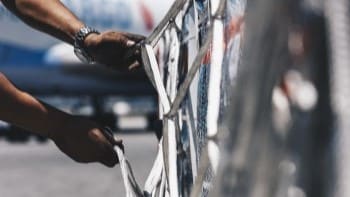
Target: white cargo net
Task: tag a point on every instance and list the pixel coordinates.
(183, 165)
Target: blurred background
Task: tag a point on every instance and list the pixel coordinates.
(36, 63)
(41, 170)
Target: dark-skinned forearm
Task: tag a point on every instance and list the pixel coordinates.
(21, 109)
(49, 16)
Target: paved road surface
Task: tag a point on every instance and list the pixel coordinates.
(40, 170)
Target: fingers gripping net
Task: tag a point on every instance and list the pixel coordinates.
(183, 59)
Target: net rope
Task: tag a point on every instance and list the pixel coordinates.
(185, 58)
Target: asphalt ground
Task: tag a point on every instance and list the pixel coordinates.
(41, 170)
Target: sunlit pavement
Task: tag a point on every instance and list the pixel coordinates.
(40, 170)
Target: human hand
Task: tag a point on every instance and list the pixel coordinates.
(115, 49)
(84, 142)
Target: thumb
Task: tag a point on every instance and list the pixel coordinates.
(107, 132)
(135, 37)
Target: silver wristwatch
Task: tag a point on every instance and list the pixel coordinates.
(79, 47)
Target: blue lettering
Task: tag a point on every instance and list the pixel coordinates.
(102, 13)
(123, 18)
